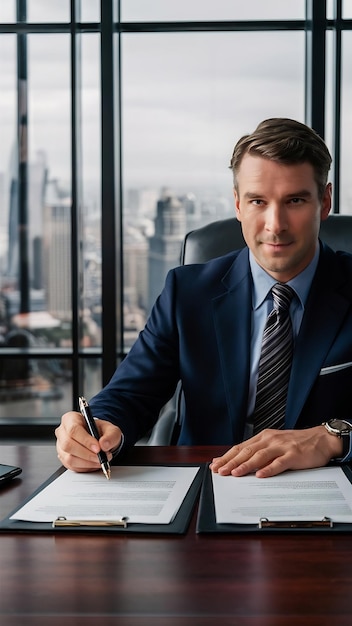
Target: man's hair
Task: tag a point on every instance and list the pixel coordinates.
(288, 142)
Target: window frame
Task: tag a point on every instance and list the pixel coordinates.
(111, 30)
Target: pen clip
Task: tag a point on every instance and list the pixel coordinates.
(63, 522)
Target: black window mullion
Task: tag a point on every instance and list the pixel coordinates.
(22, 151)
(76, 186)
(110, 284)
(119, 178)
(337, 62)
(315, 64)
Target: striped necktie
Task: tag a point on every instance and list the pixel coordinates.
(274, 363)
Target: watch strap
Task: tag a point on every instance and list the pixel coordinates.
(347, 448)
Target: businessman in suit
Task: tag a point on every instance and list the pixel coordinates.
(206, 328)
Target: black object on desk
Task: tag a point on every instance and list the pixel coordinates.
(8, 472)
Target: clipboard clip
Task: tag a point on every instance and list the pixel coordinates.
(326, 522)
(63, 522)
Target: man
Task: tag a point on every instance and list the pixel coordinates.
(206, 328)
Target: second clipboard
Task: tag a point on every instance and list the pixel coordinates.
(206, 519)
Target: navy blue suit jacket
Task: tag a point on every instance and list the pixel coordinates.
(199, 332)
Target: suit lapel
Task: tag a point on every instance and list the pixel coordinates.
(232, 321)
(317, 332)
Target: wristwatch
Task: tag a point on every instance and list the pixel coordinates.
(343, 429)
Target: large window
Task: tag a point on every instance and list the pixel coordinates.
(185, 101)
(118, 120)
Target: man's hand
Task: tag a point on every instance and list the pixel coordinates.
(271, 452)
(77, 449)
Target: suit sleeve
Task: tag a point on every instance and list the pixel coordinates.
(148, 376)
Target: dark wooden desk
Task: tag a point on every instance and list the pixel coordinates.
(97, 580)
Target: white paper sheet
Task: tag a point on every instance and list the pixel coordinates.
(151, 495)
(308, 495)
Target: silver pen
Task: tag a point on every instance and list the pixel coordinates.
(86, 412)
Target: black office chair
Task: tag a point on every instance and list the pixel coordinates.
(216, 239)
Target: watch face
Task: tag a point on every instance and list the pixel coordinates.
(340, 425)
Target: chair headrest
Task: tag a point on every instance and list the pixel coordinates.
(223, 236)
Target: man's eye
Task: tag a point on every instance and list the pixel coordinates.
(257, 202)
(296, 200)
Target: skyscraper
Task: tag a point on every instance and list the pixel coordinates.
(57, 252)
(165, 244)
(36, 190)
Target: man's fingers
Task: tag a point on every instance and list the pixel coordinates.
(77, 464)
(277, 466)
(76, 456)
(263, 466)
(73, 437)
(250, 460)
(245, 458)
(224, 461)
(110, 435)
(272, 452)
(77, 449)
(262, 454)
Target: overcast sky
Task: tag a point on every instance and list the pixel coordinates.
(187, 97)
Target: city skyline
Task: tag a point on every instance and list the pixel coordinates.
(151, 215)
(186, 98)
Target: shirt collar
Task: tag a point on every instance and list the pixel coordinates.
(263, 282)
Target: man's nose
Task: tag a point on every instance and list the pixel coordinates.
(276, 218)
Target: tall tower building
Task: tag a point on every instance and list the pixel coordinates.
(12, 251)
(12, 266)
(165, 245)
(135, 268)
(37, 178)
(57, 252)
(37, 174)
(3, 224)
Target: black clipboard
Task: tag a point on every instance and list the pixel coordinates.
(179, 524)
(206, 520)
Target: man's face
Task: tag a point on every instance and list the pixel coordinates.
(280, 212)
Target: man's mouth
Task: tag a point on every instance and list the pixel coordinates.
(277, 243)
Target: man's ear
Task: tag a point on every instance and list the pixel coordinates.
(237, 204)
(326, 202)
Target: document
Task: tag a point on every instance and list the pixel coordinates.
(305, 495)
(138, 494)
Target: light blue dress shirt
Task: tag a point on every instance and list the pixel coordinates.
(262, 304)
